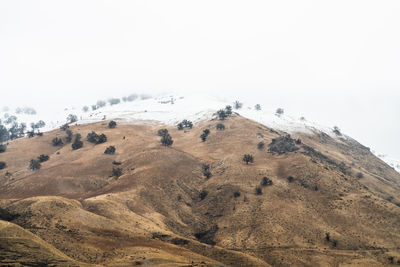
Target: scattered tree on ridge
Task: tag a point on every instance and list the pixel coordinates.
(248, 158)
(237, 105)
(112, 124)
(279, 111)
(72, 118)
(34, 164)
(77, 142)
(57, 141)
(166, 140)
(43, 158)
(220, 127)
(110, 150)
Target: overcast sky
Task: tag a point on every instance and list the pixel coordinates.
(334, 62)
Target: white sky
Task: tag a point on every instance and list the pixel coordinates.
(334, 62)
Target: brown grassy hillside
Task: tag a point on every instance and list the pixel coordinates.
(163, 211)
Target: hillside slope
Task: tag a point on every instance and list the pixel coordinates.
(163, 211)
(19, 245)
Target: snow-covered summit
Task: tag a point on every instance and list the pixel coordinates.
(170, 109)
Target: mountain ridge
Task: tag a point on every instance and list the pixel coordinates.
(163, 211)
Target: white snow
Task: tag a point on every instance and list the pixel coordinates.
(170, 109)
(395, 163)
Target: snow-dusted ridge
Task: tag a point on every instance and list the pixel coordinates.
(394, 163)
(170, 109)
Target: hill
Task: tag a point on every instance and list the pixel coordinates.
(331, 201)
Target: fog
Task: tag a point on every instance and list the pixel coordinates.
(336, 62)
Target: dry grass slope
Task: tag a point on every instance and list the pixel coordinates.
(153, 213)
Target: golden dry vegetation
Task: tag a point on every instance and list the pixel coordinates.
(74, 212)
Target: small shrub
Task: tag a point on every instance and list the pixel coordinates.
(282, 144)
(222, 114)
(114, 101)
(228, 110)
(290, 179)
(258, 190)
(203, 194)
(94, 138)
(298, 142)
(102, 139)
(3, 148)
(11, 120)
(360, 175)
(43, 158)
(248, 158)
(166, 140)
(266, 181)
(100, 104)
(68, 138)
(236, 194)
(77, 142)
(220, 127)
(261, 145)
(162, 132)
(279, 111)
(327, 237)
(131, 97)
(237, 105)
(72, 118)
(110, 150)
(30, 134)
(64, 127)
(344, 168)
(205, 167)
(206, 170)
(257, 107)
(116, 162)
(185, 124)
(204, 135)
(112, 124)
(336, 130)
(117, 172)
(2, 165)
(57, 141)
(34, 164)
